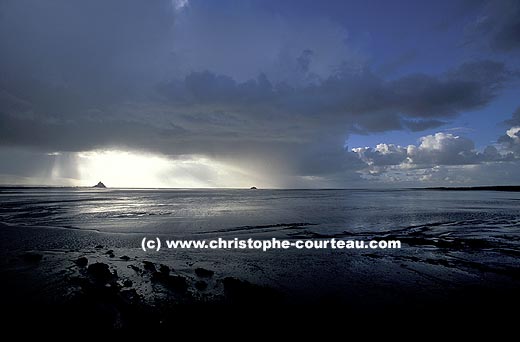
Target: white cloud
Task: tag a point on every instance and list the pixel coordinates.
(514, 133)
(443, 158)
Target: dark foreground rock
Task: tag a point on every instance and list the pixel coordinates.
(164, 269)
(149, 266)
(100, 272)
(174, 283)
(81, 262)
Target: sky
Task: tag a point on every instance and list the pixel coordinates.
(273, 94)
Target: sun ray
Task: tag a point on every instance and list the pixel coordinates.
(142, 170)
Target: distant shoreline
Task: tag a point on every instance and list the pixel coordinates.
(514, 188)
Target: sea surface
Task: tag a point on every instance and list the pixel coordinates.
(183, 212)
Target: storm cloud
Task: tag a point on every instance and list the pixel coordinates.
(224, 110)
(273, 94)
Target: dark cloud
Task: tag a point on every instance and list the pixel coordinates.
(498, 25)
(82, 135)
(399, 62)
(64, 56)
(422, 125)
(255, 109)
(352, 98)
(508, 37)
(471, 85)
(88, 39)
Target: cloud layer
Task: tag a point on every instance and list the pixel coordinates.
(271, 93)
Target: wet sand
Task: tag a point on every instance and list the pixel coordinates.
(68, 277)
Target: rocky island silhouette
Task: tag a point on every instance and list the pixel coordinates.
(100, 185)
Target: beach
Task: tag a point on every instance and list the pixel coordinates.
(74, 255)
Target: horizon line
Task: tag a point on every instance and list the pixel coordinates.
(248, 188)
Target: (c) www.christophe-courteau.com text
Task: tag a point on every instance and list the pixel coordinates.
(156, 244)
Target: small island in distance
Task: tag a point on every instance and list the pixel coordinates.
(100, 185)
(515, 188)
(253, 188)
